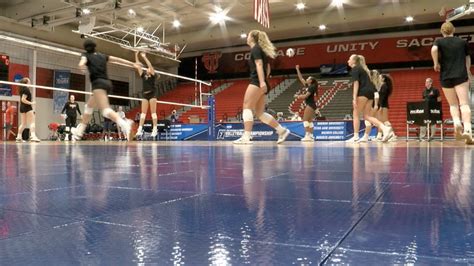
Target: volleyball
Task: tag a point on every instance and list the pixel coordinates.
(290, 52)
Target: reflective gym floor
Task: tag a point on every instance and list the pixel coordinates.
(200, 203)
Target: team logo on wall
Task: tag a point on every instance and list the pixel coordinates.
(211, 61)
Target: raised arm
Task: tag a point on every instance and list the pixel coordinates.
(148, 63)
(138, 65)
(300, 77)
(82, 64)
(113, 59)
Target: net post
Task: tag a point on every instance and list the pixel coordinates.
(211, 115)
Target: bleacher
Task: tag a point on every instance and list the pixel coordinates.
(408, 87)
(183, 93)
(334, 100)
(327, 91)
(340, 103)
(228, 102)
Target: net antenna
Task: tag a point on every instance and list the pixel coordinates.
(459, 12)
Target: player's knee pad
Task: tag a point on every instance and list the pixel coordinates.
(367, 123)
(465, 108)
(142, 116)
(106, 112)
(311, 125)
(32, 125)
(247, 115)
(154, 116)
(453, 108)
(265, 118)
(305, 123)
(88, 110)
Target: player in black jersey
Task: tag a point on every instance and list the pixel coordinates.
(363, 97)
(311, 90)
(96, 64)
(451, 57)
(254, 99)
(384, 86)
(70, 110)
(149, 94)
(27, 114)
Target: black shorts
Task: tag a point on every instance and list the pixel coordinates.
(255, 82)
(102, 84)
(25, 108)
(312, 105)
(384, 103)
(71, 121)
(366, 93)
(450, 83)
(148, 95)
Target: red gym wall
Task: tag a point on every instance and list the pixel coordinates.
(376, 51)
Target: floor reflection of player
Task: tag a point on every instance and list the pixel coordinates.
(458, 189)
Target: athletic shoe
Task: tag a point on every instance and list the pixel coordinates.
(365, 138)
(34, 139)
(467, 136)
(387, 133)
(282, 136)
(76, 133)
(392, 138)
(307, 139)
(19, 140)
(242, 141)
(127, 129)
(139, 134)
(458, 132)
(353, 140)
(154, 132)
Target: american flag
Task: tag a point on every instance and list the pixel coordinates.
(261, 12)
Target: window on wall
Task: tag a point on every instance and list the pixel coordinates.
(119, 88)
(78, 83)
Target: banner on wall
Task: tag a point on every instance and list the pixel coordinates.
(377, 51)
(61, 80)
(323, 131)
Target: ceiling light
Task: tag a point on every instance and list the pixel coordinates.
(322, 27)
(219, 17)
(140, 29)
(409, 19)
(131, 13)
(176, 23)
(86, 11)
(300, 6)
(337, 3)
(243, 35)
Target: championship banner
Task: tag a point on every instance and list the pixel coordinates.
(323, 131)
(61, 80)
